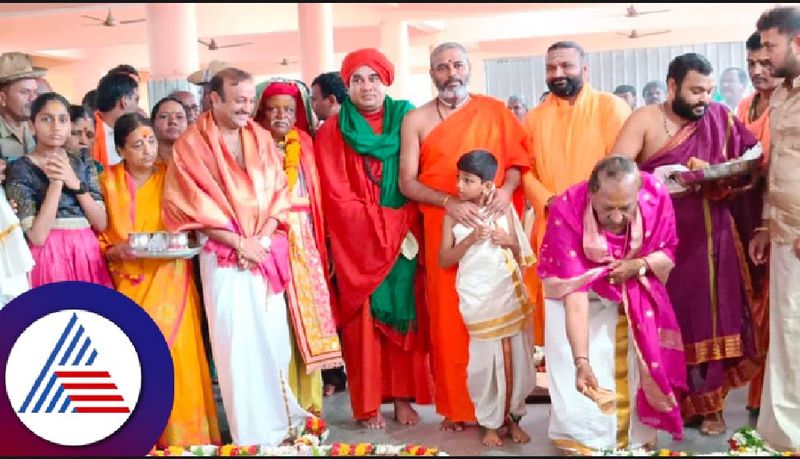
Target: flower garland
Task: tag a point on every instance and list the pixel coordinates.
(744, 442)
(292, 159)
(309, 443)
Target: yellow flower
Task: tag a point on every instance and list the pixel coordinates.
(175, 450)
(663, 452)
(226, 450)
(292, 160)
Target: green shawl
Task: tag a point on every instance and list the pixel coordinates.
(392, 303)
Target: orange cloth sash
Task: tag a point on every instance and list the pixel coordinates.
(487, 124)
(759, 127)
(206, 188)
(100, 149)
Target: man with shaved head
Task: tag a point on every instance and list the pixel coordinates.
(433, 137)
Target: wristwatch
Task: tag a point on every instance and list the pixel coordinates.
(81, 190)
(643, 269)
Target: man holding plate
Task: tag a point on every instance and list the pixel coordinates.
(709, 287)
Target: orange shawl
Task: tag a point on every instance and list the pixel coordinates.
(759, 127)
(100, 149)
(206, 188)
(487, 124)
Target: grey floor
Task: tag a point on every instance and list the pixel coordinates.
(343, 429)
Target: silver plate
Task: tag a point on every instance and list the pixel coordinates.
(719, 171)
(189, 252)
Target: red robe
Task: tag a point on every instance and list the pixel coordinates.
(365, 243)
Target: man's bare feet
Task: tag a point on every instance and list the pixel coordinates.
(404, 414)
(491, 438)
(375, 422)
(517, 434)
(450, 426)
(713, 424)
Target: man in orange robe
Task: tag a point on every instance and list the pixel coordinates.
(753, 111)
(434, 136)
(375, 235)
(573, 129)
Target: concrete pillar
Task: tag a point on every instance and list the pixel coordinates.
(315, 25)
(172, 41)
(394, 43)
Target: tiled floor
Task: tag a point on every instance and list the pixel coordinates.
(338, 415)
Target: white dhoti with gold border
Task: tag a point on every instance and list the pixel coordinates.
(576, 423)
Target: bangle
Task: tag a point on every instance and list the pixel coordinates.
(446, 198)
(760, 229)
(575, 361)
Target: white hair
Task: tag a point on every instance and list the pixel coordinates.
(448, 45)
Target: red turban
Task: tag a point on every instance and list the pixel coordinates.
(284, 89)
(371, 57)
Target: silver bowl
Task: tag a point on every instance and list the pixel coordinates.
(138, 241)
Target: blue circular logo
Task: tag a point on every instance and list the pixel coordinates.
(86, 372)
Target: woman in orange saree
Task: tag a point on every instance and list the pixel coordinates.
(163, 287)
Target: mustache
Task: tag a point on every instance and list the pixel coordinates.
(243, 112)
(450, 81)
(275, 123)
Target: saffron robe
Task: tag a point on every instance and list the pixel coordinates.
(715, 312)
(366, 242)
(566, 141)
(487, 124)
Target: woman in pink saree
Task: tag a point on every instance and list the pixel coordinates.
(606, 255)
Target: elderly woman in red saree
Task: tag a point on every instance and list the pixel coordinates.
(285, 112)
(606, 255)
(162, 287)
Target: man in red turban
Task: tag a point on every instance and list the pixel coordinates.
(284, 110)
(375, 238)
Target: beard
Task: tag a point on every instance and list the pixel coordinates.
(685, 110)
(789, 65)
(573, 86)
(458, 93)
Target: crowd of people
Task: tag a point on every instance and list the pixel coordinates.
(342, 228)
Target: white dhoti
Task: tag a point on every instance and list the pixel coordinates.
(488, 383)
(250, 342)
(15, 257)
(779, 418)
(497, 312)
(576, 423)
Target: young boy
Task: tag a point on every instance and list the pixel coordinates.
(492, 302)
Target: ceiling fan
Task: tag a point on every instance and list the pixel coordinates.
(213, 46)
(632, 12)
(634, 34)
(287, 62)
(111, 21)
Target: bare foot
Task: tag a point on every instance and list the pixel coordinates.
(450, 426)
(328, 390)
(713, 424)
(375, 422)
(404, 414)
(517, 434)
(491, 438)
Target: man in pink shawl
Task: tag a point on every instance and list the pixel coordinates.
(226, 180)
(610, 329)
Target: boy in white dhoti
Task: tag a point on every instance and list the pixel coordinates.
(492, 302)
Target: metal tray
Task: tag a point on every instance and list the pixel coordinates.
(186, 253)
(719, 171)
